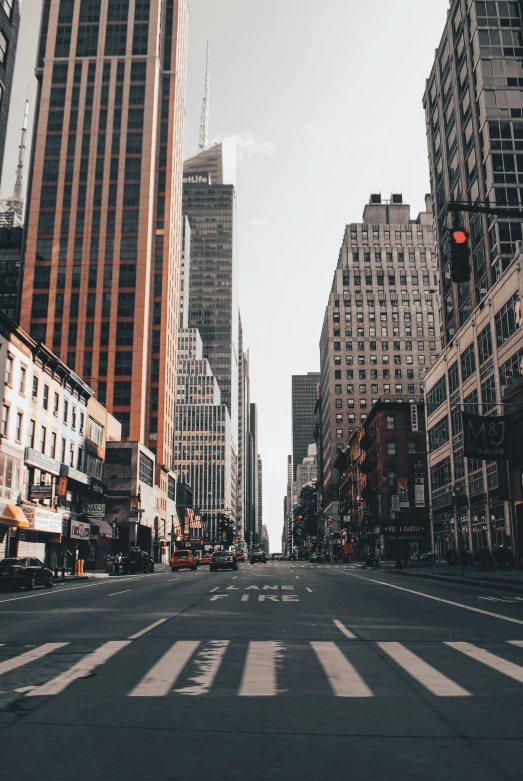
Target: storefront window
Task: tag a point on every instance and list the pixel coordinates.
(9, 477)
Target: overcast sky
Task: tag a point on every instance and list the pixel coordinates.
(326, 101)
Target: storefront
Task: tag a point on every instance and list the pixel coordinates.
(12, 519)
(410, 537)
(43, 536)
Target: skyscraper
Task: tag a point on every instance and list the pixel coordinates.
(9, 24)
(474, 110)
(209, 203)
(104, 230)
(243, 434)
(381, 328)
(304, 393)
(259, 498)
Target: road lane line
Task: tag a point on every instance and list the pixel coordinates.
(81, 669)
(345, 681)
(216, 588)
(424, 673)
(115, 593)
(108, 582)
(516, 642)
(343, 629)
(490, 660)
(259, 672)
(309, 589)
(147, 629)
(29, 656)
(161, 677)
(439, 599)
(207, 662)
(297, 578)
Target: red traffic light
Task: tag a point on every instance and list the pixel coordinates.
(460, 236)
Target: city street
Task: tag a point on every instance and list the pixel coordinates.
(283, 670)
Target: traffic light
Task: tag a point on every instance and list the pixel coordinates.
(459, 255)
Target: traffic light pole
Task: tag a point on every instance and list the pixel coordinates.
(474, 208)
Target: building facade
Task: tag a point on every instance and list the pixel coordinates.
(11, 265)
(103, 246)
(205, 455)
(259, 497)
(395, 469)
(307, 471)
(243, 435)
(304, 394)
(472, 374)
(381, 328)
(53, 438)
(9, 25)
(209, 201)
(474, 117)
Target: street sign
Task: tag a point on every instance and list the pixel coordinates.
(395, 503)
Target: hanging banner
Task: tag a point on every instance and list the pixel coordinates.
(419, 492)
(485, 438)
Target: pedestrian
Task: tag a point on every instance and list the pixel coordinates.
(484, 557)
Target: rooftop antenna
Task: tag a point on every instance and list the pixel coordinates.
(12, 209)
(204, 122)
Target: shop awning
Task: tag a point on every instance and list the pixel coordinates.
(13, 514)
(105, 528)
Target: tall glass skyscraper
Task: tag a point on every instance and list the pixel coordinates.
(104, 229)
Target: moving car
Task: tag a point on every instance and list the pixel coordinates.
(240, 556)
(206, 558)
(25, 573)
(137, 561)
(182, 559)
(223, 559)
(315, 558)
(258, 555)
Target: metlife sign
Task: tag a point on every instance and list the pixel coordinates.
(197, 178)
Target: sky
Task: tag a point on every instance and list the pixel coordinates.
(325, 101)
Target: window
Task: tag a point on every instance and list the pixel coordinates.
(45, 400)
(43, 437)
(390, 422)
(64, 446)
(391, 448)
(508, 319)
(437, 395)
(9, 370)
(71, 454)
(31, 434)
(411, 447)
(19, 425)
(5, 420)
(73, 418)
(439, 434)
(453, 377)
(56, 404)
(23, 372)
(468, 362)
(122, 394)
(66, 411)
(145, 468)
(339, 433)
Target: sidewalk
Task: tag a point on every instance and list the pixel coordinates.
(501, 580)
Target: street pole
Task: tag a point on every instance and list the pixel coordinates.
(458, 490)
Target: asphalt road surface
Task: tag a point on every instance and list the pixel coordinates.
(279, 671)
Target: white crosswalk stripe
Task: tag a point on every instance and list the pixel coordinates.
(424, 673)
(490, 660)
(259, 673)
(81, 669)
(29, 656)
(260, 669)
(162, 676)
(345, 681)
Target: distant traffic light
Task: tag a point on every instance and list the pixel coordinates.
(459, 255)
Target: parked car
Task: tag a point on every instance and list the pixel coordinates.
(423, 558)
(137, 561)
(258, 555)
(223, 559)
(183, 559)
(25, 573)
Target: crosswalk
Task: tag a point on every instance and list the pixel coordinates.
(264, 668)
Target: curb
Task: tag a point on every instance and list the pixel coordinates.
(70, 579)
(496, 585)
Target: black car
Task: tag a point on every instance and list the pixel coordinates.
(258, 555)
(137, 561)
(25, 573)
(223, 559)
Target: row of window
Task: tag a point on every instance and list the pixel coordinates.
(45, 446)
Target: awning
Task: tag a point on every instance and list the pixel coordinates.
(105, 528)
(13, 514)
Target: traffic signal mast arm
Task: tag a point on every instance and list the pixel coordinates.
(498, 211)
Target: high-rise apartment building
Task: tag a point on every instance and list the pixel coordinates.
(104, 229)
(9, 25)
(204, 454)
(251, 515)
(381, 327)
(474, 116)
(243, 434)
(209, 203)
(304, 394)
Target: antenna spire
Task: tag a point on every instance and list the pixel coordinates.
(204, 122)
(19, 181)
